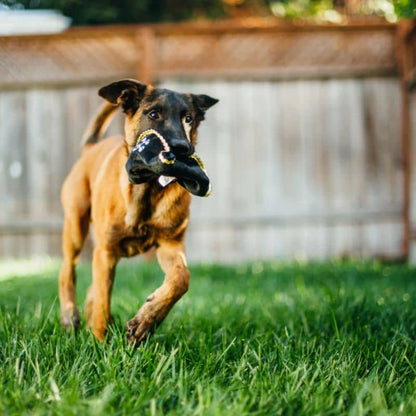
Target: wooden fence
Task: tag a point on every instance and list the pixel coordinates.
(408, 84)
(306, 149)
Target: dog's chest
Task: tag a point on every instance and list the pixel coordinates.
(152, 214)
(148, 202)
(137, 205)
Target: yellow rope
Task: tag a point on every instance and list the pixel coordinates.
(156, 133)
(162, 140)
(166, 161)
(167, 149)
(199, 161)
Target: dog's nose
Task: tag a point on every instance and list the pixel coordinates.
(181, 147)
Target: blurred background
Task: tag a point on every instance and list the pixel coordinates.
(309, 150)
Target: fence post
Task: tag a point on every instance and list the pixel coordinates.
(146, 39)
(403, 30)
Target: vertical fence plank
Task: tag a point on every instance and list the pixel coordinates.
(13, 173)
(412, 207)
(38, 141)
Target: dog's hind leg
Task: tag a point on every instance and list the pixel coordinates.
(171, 257)
(75, 230)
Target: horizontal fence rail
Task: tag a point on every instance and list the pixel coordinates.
(280, 51)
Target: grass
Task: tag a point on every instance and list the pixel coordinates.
(265, 339)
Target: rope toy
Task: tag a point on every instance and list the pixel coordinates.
(152, 157)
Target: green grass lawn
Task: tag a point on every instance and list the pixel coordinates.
(265, 339)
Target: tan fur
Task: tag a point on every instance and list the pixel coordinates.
(127, 220)
(99, 123)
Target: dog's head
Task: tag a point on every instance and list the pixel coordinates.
(173, 115)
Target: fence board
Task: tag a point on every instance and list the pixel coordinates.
(217, 50)
(412, 111)
(321, 164)
(38, 114)
(13, 176)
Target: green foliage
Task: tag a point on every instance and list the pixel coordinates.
(293, 9)
(141, 11)
(405, 8)
(126, 11)
(334, 338)
(336, 10)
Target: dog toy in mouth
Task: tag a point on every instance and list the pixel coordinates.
(152, 158)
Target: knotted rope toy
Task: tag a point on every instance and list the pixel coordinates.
(152, 157)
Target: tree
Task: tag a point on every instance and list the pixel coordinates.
(140, 11)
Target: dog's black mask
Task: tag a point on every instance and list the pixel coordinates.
(152, 158)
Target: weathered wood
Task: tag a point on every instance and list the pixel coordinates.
(38, 114)
(146, 65)
(311, 167)
(14, 152)
(156, 52)
(307, 167)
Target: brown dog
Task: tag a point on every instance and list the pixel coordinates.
(128, 219)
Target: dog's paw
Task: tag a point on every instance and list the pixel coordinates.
(70, 319)
(139, 328)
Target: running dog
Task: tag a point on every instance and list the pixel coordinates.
(128, 218)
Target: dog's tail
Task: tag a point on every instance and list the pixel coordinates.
(99, 124)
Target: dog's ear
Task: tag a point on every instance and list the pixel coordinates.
(203, 102)
(128, 93)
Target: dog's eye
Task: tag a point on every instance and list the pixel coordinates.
(188, 119)
(154, 115)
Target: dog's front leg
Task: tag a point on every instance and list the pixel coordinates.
(171, 257)
(99, 296)
(74, 232)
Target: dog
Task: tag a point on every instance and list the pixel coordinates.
(128, 219)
